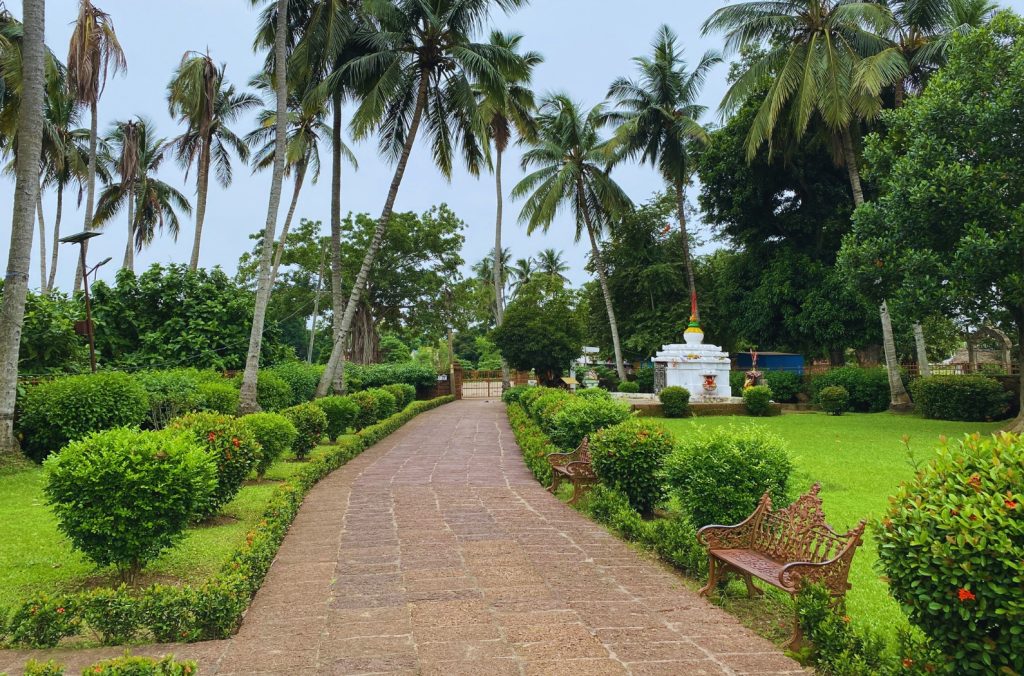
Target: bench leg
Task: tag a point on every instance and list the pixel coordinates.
(556, 479)
(796, 641)
(577, 493)
(713, 577)
(752, 591)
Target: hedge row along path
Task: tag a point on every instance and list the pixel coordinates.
(437, 552)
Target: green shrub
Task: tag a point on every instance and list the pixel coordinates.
(675, 402)
(42, 621)
(531, 395)
(629, 387)
(114, 614)
(385, 402)
(360, 377)
(967, 398)
(645, 379)
(66, 409)
(401, 393)
(719, 475)
(168, 612)
(48, 668)
(129, 665)
(607, 378)
(736, 380)
(593, 393)
(868, 387)
(758, 400)
(628, 457)
(834, 400)
(311, 423)
(171, 393)
(582, 416)
(229, 444)
(341, 414)
(274, 433)
(547, 404)
(514, 395)
(301, 377)
(367, 403)
(123, 496)
(273, 392)
(219, 397)
(951, 544)
(534, 444)
(785, 385)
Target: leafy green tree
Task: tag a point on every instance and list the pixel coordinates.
(947, 232)
(572, 164)
(659, 119)
(393, 350)
(543, 329)
(49, 343)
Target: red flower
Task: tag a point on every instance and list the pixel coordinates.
(236, 442)
(975, 482)
(211, 436)
(965, 595)
(907, 662)
(1011, 504)
(60, 611)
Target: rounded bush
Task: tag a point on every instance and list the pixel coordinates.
(311, 423)
(758, 400)
(219, 397)
(531, 395)
(367, 403)
(594, 393)
(628, 458)
(229, 444)
(66, 409)
(967, 398)
(514, 395)
(834, 400)
(581, 417)
(785, 385)
(274, 433)
(386, 403)
(546, 405)
(171, 393)
(273, 392)
(341, 414)
(301, 377)
(401, 394)
(629, 387)
(868, 387)
(951, 544)
(720, 474)
(675, 402)
(123, 496)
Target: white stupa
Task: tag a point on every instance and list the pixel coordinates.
(702, 369)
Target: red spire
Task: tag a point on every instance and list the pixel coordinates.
(693, 304)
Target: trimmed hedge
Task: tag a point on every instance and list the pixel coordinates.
(212, 610)
(311, 423)
(628, 457)
(580, 417)
(629, 387)
(360, 377)
(675, 402)
(834, 400)
(302, 379)
(966, 398)
(274, 433)
(868, 387)
(126, 665)
(535, 445)
(219, 397)
(341, 414)
(758, 400)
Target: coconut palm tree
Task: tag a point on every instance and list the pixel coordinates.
(133, 152)
(551, 262)
(521, 272)
(93, 54)
(419, 71)
(264, 285)
(572, 171)
(508, 112)
(659, 117)
(199, 96)
(29, 139)
(825, 58)
(483, 270)
(306, 129)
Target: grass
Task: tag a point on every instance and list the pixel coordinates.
(859, 459)
(36, 557)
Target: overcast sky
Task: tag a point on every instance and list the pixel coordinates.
(586, 44)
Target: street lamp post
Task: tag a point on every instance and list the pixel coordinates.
(80, 239)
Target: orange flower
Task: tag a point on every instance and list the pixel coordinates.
(211, 436)
(975, 481)
(235, 442)
(60, 611)
(966, 595)
(907, 662)
(1011, 504)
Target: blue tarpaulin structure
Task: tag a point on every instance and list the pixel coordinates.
(770, 361)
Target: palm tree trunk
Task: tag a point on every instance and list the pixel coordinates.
(42, 238)
(90, 192)
(247, 402)
(202, 188)
(898, 397)
(129, 248)
(687, 256)
(337, 292)
(378, 235)
(30, 139)
(300, 175)
(56, 237)
(602, 275)
(499, 287)
(924, 369)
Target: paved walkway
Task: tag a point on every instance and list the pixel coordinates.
(436, 552)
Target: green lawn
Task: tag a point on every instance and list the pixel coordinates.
(859, 459)
(35, 556)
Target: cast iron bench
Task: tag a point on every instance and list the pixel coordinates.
(575, 468)
(784, 548)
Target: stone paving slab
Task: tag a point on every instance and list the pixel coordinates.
(436, 552)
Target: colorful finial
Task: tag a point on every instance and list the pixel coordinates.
(694, 325)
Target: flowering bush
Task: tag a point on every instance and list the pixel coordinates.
(311, 423)
(675, 402)
(42, 621)
(274, 433)
(628, 457)
(951, 544)
(229, 444)
(129, 665)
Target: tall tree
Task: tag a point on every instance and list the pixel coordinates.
(521, 272)
(135, 153)
(659, 117)
(551, 262)
(419, 70)
(572, 164)
(199, 96)
(247, 403)
(93, 54)
(825, 58)
(29, 138)
(508, 112)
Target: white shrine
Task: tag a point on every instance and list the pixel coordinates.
(702, 369)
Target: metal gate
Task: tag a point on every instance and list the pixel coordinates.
(481, 389)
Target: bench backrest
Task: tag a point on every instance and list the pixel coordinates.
(799, 532)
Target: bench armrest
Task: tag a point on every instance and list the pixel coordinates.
(559, 459)
(738, 536)
(833, 573)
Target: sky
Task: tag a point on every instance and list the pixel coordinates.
(585, 43)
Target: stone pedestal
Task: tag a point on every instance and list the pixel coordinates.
(701, 369)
